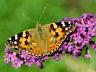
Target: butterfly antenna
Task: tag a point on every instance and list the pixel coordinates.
(24, 15)
(42, 13)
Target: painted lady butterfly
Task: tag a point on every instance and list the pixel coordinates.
(42, 40)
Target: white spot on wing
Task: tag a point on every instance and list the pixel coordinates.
(16, 37)
(63, 24)
(69, 22)
(9, 38)
(15, 42)
(66, 28)
(70, 25)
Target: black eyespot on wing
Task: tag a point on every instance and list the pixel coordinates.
(58, 24)
(27, 34)
(20, 35)
(56, 34)
(67, 24)
(13, 38)
(26, 43)
(52, 27)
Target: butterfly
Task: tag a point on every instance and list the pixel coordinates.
(42, 40)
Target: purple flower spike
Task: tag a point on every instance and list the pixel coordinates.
(85, 29)
(38, 64)
(56, 56)
(74, 44)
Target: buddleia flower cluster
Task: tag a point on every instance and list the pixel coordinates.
(74, 44)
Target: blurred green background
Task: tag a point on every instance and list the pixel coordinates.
(19, 15)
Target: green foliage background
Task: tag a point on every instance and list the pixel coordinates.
(19, 15)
